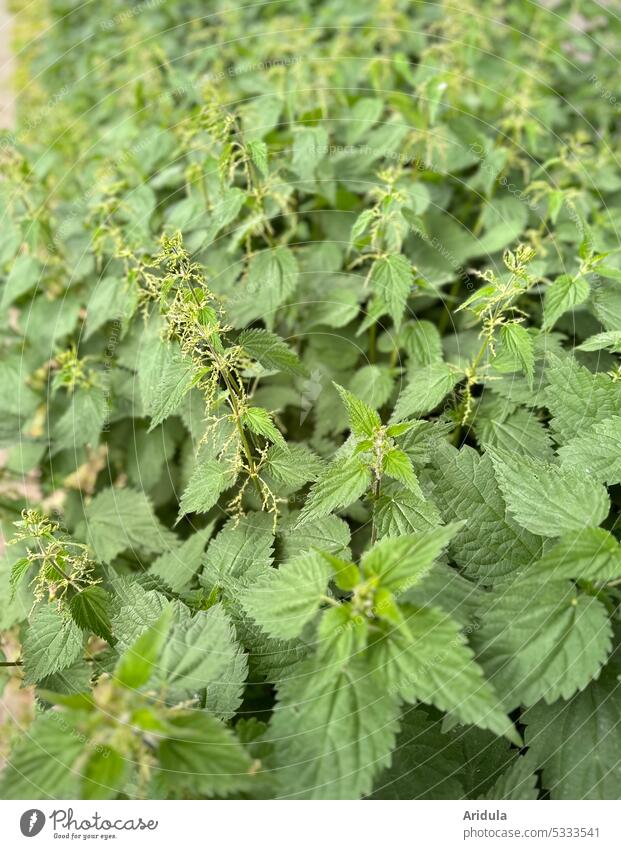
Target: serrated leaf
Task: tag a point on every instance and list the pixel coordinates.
(134, 610)
(198, 650)
(121, 519)
(341, 484)
(543, 641)
(491, 543)
(518, 351)
(328, 533)
(164, 377)
(19, 570)
(608, 339)
(209, 480)
(241, 546)
(517, 782)
(549, 500)
(392, 278)
(332, 733)
(565, 293)
(590, 554)
(598, 453)
(428, 387)
(270, 351)
(274, 274)
(258, 154)
(52, 642)
(363, 420)
(90, 609)
(294, 465)
(398, 512)
(426, 658)
(82, 422)
(578, 399)
(283, 600)
(577, 743)
(259, 421)
(43, 763)
(199, 755)
(139, 662)
(398, 564)
(178, 566)
(398, 465)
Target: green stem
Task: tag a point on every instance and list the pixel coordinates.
(372, 342)
(377, 484)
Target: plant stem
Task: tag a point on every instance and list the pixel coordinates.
(372, 340)
(376, 494)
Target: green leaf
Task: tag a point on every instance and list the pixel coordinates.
(274, 274)
(520, 432)
(426, 658)
(490, 543)
(164, 378)
(549, 500)
(134, 610)
(270, 351)
(259, 421)
(283, 600)
(518, 782)
(590, 554)
(608, 339)
(121, 519)
(577, 743)
(209, 480)
(198, 650)
(363, 421)
(398, 465)
(598, 453)
(258, 155)
(398, 511)
(24, 274)
(310, 145)
(332, 733)
(362, 116)
(426, 390)
(90, 609)
(19, 570)
(178, 566)
(578, 399)
(200, 757)
(400, 563)
(83, 420)
(328, 533)
(517, 348)
(52, 642)
(138, 663)
(105, 774)
(341, 484)
(564, 294)
(112, 299)
(43, 762)
(543, 641)
(392, 278)
(294, 465)
(242, 546)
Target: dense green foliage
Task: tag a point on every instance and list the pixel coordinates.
(312, 400)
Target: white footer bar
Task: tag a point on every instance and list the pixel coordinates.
(316, 825)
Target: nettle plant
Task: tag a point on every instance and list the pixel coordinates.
(311, 405)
